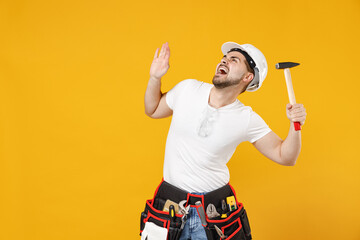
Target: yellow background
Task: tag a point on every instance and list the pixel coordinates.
(79, 157)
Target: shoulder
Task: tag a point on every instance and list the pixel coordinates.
(191, 84)
(255, 120)
(249, 111)
(249, 115)
(246, 110)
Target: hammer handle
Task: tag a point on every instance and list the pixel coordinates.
(291, 93)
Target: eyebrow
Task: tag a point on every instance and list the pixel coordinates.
(233, 57)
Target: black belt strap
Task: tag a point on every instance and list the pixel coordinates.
(168, 191)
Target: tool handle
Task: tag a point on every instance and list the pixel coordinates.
(172, 213)
(291, 94)
(201, 212)
(289, 86)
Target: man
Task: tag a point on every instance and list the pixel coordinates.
(209, 122)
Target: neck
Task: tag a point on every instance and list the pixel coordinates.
(222, 97)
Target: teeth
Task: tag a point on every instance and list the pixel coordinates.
(222, 68)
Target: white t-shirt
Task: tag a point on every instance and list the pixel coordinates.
(202, 139)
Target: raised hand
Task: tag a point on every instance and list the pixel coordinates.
(160, 64)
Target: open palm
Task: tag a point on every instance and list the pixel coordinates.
(160, 64)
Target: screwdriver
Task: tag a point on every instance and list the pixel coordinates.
(172, 213)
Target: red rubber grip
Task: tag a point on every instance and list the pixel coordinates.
(297, 126)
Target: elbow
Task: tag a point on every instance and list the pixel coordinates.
(148, 111)
(149, 114)
(289, 163)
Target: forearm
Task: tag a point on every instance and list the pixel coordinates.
(291, 146)
(152, 95)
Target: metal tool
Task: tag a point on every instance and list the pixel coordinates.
(201, 213)
(184, 211)
(211, 211)
(183, 221)
(223, 206)
(286, 66)
(220, 233)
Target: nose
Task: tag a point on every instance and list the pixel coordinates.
(224, 60)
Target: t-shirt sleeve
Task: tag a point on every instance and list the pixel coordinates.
(257, 127)
(173, 95)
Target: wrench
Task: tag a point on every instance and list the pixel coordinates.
(184, 211)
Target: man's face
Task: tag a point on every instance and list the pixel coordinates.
(230, 70)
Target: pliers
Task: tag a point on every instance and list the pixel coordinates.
(220, 233)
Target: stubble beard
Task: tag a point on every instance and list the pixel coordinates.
(227, 82)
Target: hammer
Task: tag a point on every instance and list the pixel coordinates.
(286, 66)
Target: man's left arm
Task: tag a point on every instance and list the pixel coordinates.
(284, 152)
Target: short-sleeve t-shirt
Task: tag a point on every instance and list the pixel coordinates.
(202, 139)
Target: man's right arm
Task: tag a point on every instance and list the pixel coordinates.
(155, 100)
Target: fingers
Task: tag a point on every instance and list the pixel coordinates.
(296, 113)
(156, 53)
(160, 63)
(296, 110)
(162, 51)
(298, 118)
(296, 105)
(167, 52)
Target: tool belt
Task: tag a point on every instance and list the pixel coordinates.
(234, 224)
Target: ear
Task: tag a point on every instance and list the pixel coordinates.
(248, 77)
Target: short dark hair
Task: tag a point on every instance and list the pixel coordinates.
(249, 68)
(246, 57)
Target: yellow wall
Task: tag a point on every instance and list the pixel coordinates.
(78, 156)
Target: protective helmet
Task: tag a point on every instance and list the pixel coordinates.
(260, 66)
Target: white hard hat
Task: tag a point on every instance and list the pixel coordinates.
(260, 66)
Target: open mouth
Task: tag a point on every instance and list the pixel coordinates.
(222, 70)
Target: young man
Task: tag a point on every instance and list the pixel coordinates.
(209, 122)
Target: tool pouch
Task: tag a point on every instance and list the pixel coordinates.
(161, 219)
(153, 213)
(235, 226)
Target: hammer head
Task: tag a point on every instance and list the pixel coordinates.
(283, 65)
